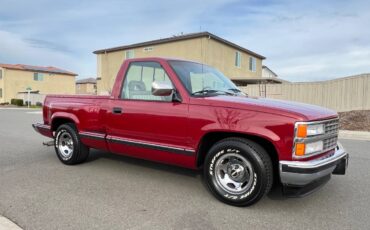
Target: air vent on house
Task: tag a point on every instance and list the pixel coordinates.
(148, 49)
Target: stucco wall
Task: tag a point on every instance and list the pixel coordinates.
(15, 81)
(2, 86)
(85, 88)
(202, 50)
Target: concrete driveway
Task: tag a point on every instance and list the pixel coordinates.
(115, 192)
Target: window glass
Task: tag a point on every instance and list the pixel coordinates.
(238, 59)
(138, 81)
(1, 93)
(252, 64)
(1, 74)
(200, 81)
(38, 76)
(197, 78)
(129, 54)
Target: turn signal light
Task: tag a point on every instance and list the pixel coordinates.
(300, 149)
(302, 131)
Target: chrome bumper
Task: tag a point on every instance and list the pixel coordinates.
(301, 173)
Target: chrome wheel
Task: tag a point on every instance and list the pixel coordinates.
(65, 145)
(234, 173)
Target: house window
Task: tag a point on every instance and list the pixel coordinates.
(238, 59)
(1, 74)
(129, 54)
(1, 93)
(252, 64)
(38, 76)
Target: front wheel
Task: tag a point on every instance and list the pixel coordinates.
(68, 146)
(238, 171)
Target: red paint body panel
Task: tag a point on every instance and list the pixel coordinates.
(180, 126)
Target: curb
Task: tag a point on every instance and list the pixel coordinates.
(6, 224)
(354, 135)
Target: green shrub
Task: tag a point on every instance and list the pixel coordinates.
(18, 102)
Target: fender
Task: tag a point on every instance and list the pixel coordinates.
(65, 115)
(266, 134)
(281, 144)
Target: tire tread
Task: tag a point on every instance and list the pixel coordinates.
(83, 151)
(265, 160)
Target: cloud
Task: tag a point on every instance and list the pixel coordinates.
(302, 40)
(312, 42)
(17, 50)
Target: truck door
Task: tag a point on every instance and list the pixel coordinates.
(142, 125)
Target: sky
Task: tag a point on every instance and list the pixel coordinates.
(305, 40)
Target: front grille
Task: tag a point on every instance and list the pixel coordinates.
(330, 143)
(332, 126)
(332, 129)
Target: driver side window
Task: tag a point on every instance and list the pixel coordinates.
(138, 81)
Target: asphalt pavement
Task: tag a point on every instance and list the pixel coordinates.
(116, 192)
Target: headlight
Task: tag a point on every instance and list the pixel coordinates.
(313, 130)
(314, 137)
(302, 149)
(305, 130)
(314, 147)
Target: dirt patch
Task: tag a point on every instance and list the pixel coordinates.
(355, 120)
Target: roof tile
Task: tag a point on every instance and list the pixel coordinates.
(44, 69)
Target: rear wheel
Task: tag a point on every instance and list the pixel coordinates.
(68, 146)
(238, 171)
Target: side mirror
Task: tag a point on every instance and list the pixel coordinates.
(161, 88)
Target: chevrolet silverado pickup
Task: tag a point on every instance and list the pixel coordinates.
(190, 115)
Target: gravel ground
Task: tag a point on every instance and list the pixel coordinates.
(355, 120)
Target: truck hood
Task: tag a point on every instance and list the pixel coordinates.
(297, 110)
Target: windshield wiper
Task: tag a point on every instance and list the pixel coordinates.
(211, 91)
(235, 90)
(238, 92)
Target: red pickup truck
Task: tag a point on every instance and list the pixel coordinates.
(190, 115)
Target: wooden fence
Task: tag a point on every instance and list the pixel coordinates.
(343, 94)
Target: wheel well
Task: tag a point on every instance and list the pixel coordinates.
(60, 121)
(211, 138)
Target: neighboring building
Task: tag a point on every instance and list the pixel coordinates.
(86, 86)
(15, 79)
(268, 73)
(234, 61)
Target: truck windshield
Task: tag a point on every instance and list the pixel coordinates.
(203, 80)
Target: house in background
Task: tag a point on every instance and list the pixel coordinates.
(17, 79)
(236, 62)
(86, 86)
(268, 73)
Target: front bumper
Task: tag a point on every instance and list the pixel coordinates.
(302, 173)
